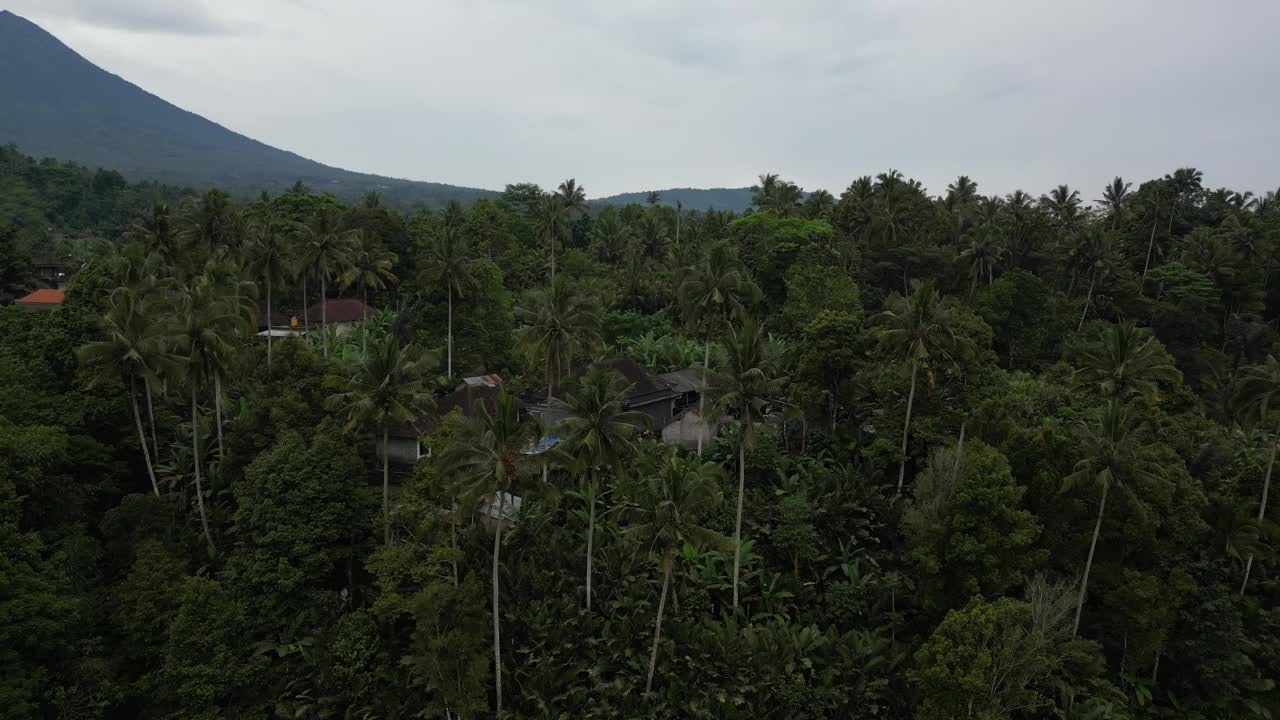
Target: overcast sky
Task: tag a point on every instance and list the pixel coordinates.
(629, 96)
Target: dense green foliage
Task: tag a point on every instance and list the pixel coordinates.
(981, 457)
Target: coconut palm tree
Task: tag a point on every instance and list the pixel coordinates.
(1063, 204)
(1259, 387)
(446, 263)
(1113, 455)
(666, 518)
(271, 241)
(370, 267)
(742, 386)
(328, 254)
(226, 278)
(599, 433)
(136, 343)
(160, 236)
(1096, 253)
(920, 330)
(962, 192)
(208, 222)
(1129, 363)
(206, 326)
(559, 325)
(710, 292)
(390, 385)
(550, 223)
(984, 253)
(652, 198)
(488, 458)
(1115, 197)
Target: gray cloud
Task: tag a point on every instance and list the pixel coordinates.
(636, 94)
(182, 17)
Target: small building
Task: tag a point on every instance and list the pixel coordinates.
(340, 313)
(54, 271)
(688, 384)
(45, 299)
(404, 442)
(511, 506)
(278, 324)
(649, 393)
(686, 429)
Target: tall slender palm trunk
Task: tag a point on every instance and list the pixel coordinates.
(1262, 509)
(497, 643)
(217, 411)
(1093, 276)
(591, 532)
(142, 437)
(364, 320)
(1151, 243)
(657, 625)
(306, 320)
(324, 318)
(386, 488)
(1088, 564)
(449, 370)
(151, 417)
(737, 523)
(702, 395)
(195, 460)
(906, 426)
(269, 328)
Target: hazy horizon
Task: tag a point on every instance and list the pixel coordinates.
(642, 95)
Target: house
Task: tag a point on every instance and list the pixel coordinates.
(46, 299)
(278, 324)
(688, 385)
(340, 313)
(54, 271)
(649, 393)
(404, 442)
(511, 506)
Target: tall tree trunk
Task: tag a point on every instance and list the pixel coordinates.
(386, 488)
(702, 394)
(1088, 564)
(449, 292)
(657, 625)
(151, 416)
(1262, 509)
(1093, 276)
(497, 644)
(217, 411)
(364, 320)
(142, 436)
(955, 469)
(306, 320)
(553, 258)
(906, 426)
(269, 328)
(195, 460)
(591, 530)
(324, 318)
(737, 523)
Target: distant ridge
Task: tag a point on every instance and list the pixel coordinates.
(55, 103)
(735, 199)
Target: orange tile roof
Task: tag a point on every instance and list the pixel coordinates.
(46, 296)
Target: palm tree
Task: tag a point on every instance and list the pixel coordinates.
(329, 248)
(743, 386)
(984, 253)
(920, 329)
(710, 293)
(550, 222)
(652, 198)
(447, 263)
(666, 518)
(227, 280)
(1097, 253)
(370, 267)
(1115, 197)
(389, 386)
(599, 433)
(1128, 364)
(762, 194)
(559, 326)
(1063, 204)
(1257, 390)
(271, 240)
(205, 327)
(962, 192)
(159, 236)
(488, 458)
(1113, 456)
(136, 343)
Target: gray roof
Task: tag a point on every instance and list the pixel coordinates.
(684, 381)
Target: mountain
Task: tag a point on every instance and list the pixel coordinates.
(736, 199)
(55, 103)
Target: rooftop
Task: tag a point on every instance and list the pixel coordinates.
(46, 296)
(646, 386)
(684, 381)
(340, 310)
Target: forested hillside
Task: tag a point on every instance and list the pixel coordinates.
(58, 104)
(966, 456)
